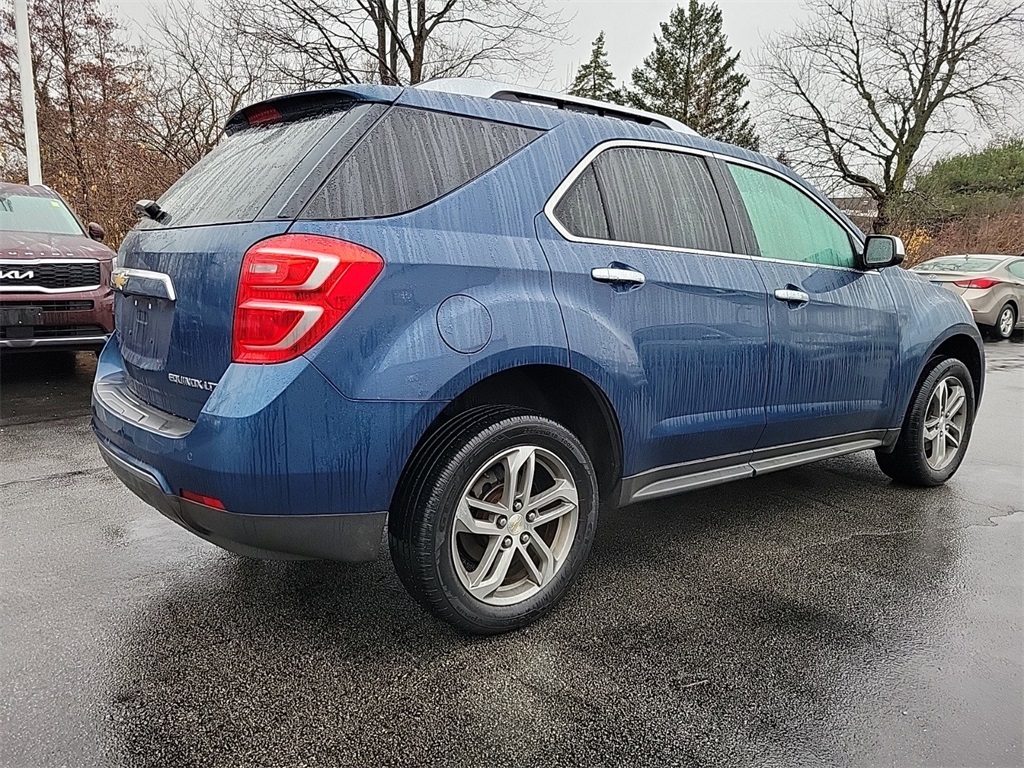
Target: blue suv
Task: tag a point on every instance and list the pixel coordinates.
(469, 313)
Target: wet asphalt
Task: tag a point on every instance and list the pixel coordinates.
(819, 616)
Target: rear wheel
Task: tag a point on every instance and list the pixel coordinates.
(1006, 321)
(937, 427)
(495, 519)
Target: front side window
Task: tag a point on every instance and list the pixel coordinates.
(788, 224)
(36, 213)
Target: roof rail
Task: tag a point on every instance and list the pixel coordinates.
(487, 89)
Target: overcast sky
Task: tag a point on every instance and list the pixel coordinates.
(628, 25)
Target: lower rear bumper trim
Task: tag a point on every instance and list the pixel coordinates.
(348, 537)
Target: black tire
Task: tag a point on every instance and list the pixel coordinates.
(421, 522)
(908, 462)
(997, 330)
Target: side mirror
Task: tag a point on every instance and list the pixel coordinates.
(96, 231)
(881, 251)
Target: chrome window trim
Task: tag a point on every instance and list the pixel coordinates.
(588, 159)
(39, 288)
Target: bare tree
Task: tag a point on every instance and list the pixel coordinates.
(91, 93)
(399, 42)
(203, 69)
(860, 89)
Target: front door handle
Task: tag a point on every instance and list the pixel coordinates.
(790, 295)
(614, 275)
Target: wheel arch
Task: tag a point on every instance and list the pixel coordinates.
(965, 349)
(556, 392)
(1012, 301)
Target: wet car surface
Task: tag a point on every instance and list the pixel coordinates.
(821, 615)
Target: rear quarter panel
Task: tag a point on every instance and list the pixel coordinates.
(477, 242)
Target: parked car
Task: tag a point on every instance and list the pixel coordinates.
(54, 274)
(469, 319)
(992, 286)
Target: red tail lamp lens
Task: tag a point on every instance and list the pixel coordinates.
(293, 290)
(978, 282)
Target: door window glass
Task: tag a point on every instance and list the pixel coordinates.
(788, 224)
(658, 197)
(581, 211)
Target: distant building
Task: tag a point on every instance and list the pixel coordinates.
(862, 210)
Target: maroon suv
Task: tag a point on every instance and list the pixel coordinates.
(54, 276)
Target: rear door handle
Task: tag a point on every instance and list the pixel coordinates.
(613, 275)
(788, 294)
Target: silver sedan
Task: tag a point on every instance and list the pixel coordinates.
(992, 286)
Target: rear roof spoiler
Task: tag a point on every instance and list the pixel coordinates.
(306, 102)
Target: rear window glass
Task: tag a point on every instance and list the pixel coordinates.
(411, 158)
(957, 265)
(35, 213)
(235, 181)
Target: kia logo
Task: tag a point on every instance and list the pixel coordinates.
(14, 274)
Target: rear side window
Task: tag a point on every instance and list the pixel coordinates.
(235, 181)
(1016, 269)
(651, 197)
(788, 224)
(411, 158)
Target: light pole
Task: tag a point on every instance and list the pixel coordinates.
(28, 93)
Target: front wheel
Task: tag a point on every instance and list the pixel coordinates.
(494, 519)
(937, 427)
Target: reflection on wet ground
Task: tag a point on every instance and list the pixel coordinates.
(817, 616)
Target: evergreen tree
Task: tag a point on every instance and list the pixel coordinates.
(594, 80)
(691, 76)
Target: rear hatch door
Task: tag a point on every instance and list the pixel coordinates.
(179, 274)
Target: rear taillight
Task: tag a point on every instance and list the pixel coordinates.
(293, 290)
(977, 282)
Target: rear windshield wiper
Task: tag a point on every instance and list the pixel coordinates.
(152, 209)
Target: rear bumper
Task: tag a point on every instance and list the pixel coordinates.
(350, 537)
(986, 304)
(303, 471)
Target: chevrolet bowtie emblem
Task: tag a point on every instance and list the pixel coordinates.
(119, 279)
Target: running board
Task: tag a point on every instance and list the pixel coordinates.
(668, 481)
(763, 466)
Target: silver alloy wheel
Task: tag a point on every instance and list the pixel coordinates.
(944, 423)
(515, 525)
(1006, 323)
